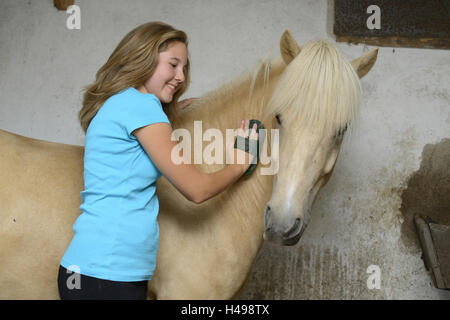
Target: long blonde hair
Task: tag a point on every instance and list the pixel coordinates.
(319, 89)
(132, 62)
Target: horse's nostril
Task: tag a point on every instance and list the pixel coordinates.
(297, 222)
(294, 229)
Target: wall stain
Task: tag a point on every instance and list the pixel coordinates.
(310, 271)
(428, 191)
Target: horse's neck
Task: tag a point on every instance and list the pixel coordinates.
(224, 109)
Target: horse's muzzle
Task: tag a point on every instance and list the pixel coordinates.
(281, 235)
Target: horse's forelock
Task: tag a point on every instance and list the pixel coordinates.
(319, 89)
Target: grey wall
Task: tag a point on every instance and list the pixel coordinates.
(357, 219)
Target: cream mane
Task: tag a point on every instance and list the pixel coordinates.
(242, 98)
(319, 89)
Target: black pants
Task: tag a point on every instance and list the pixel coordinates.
(74, 286)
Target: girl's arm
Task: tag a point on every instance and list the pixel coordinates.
(193, 184)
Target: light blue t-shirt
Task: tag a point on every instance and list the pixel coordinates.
(116, 236)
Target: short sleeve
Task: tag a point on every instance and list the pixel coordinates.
(143, 112)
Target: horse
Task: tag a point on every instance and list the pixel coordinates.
(308, 96)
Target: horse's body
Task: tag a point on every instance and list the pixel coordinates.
(205, 251)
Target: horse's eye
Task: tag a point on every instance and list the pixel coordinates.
(278, 119)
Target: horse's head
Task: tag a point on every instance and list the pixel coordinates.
(315, 102)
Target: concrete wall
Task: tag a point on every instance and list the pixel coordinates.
(357, 220)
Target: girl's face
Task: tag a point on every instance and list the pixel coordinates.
(169, 73)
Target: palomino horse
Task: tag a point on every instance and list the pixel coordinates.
(206, 251)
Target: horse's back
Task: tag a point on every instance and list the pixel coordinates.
(40, 184)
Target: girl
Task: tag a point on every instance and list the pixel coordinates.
(128, 146)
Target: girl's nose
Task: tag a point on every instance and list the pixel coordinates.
(179, 77)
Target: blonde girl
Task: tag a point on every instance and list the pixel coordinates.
(127, 148)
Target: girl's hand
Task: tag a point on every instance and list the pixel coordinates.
(186, 102)
(242, 158)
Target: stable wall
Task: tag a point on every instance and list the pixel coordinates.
(358, 219)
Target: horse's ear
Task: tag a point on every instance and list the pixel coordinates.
(288, 47)
(363, 64)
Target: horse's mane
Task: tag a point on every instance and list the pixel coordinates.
(243, 97)
(319, 90)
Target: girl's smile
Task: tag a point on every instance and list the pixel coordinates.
(169, 73)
